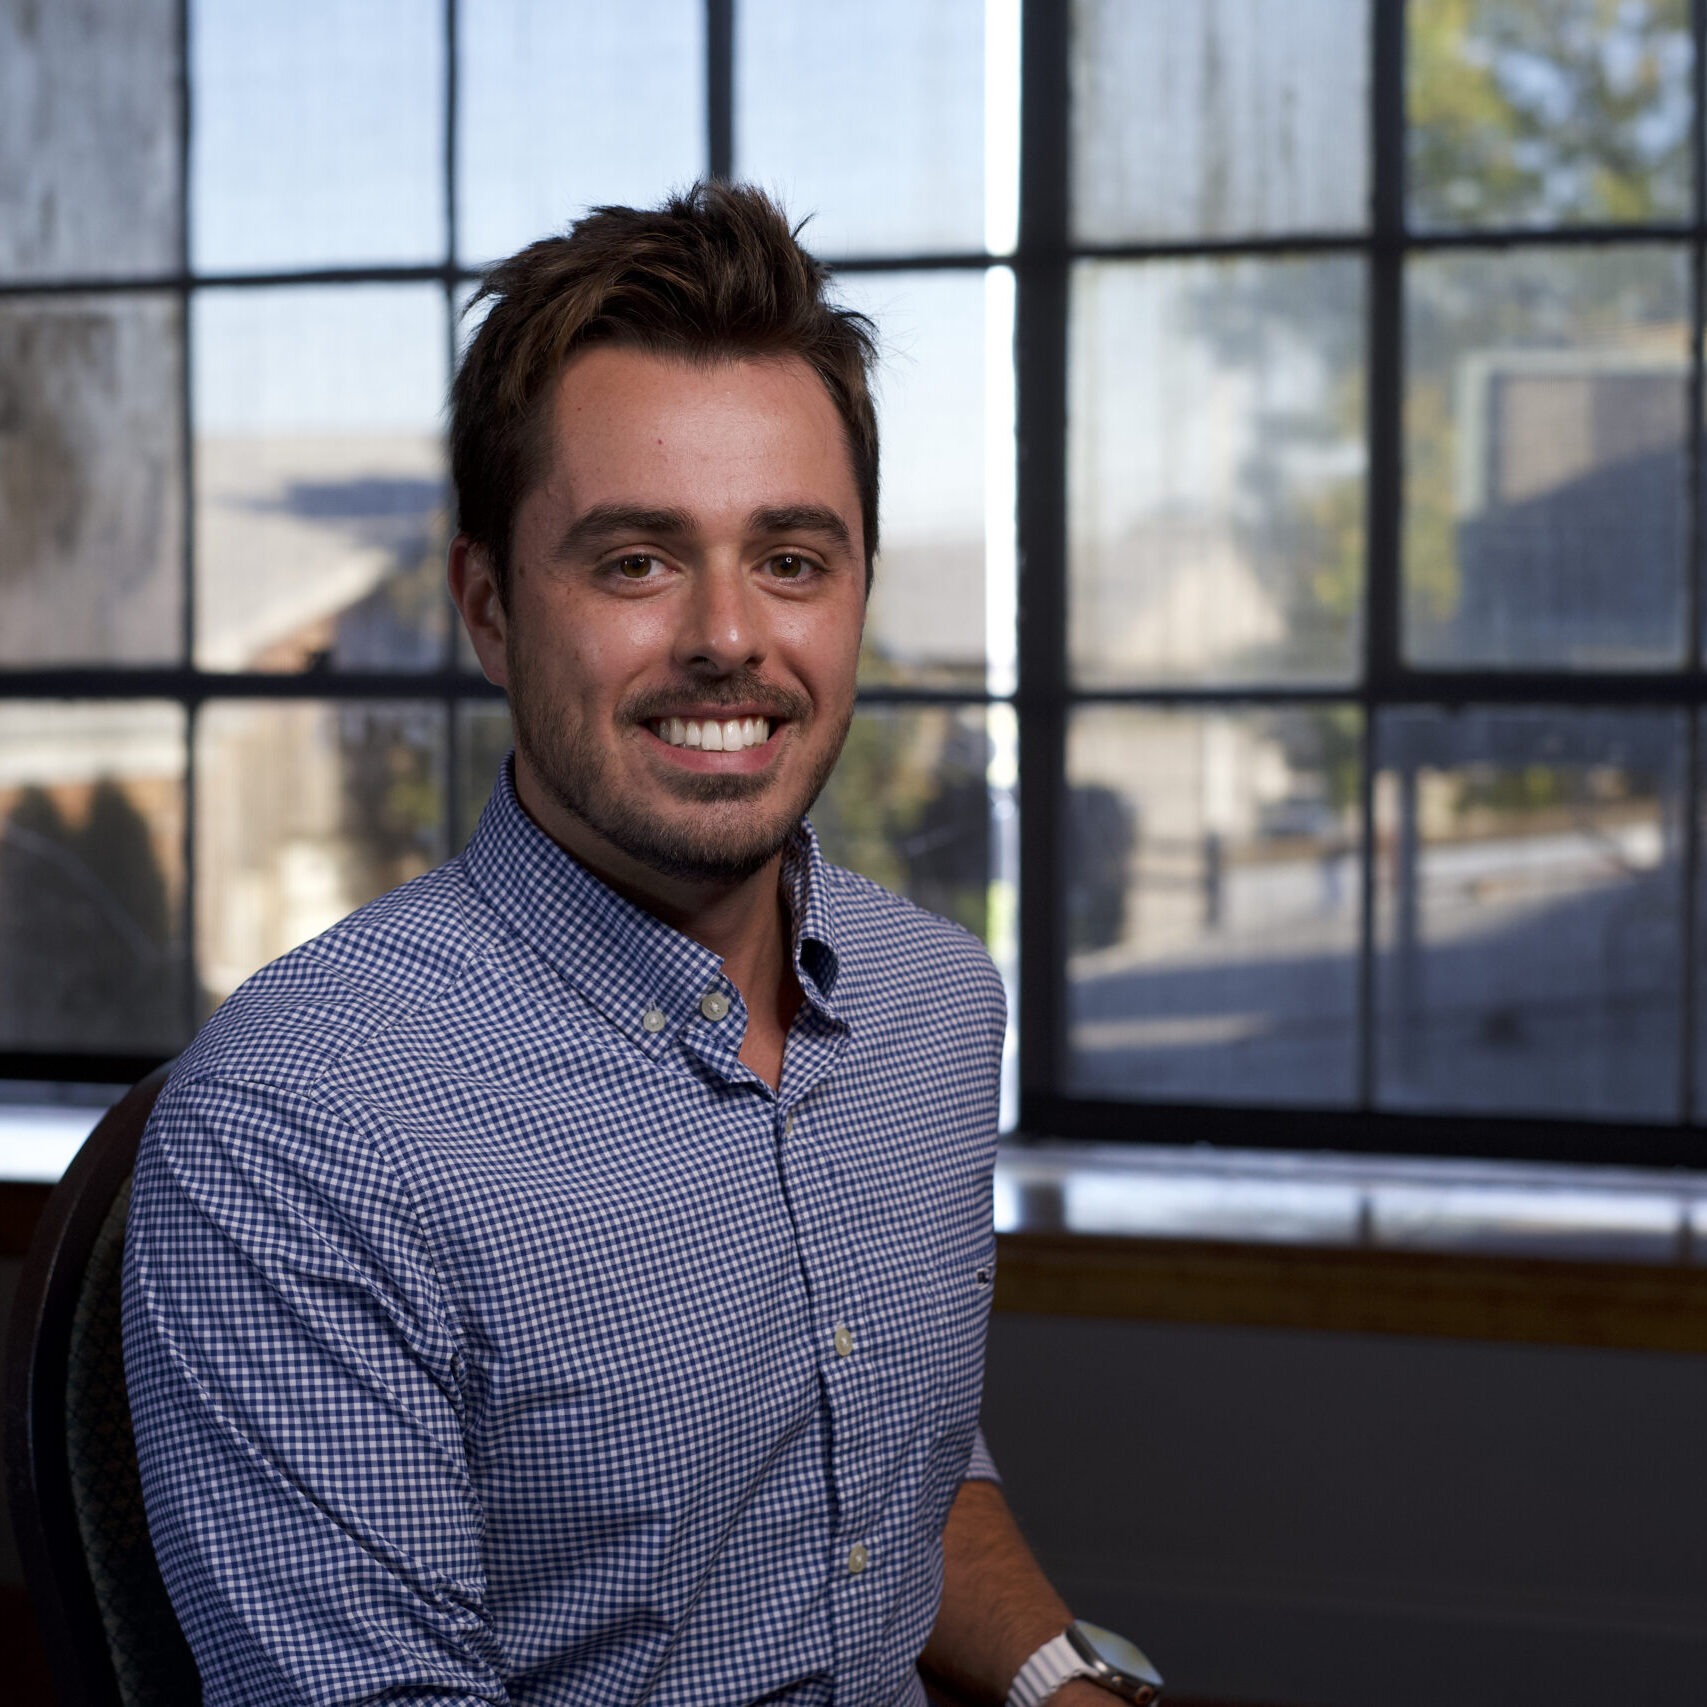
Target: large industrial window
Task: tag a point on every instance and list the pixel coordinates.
(1286, 650)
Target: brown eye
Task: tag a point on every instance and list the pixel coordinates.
(635, 568)
(789, 567)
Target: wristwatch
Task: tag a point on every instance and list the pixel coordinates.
(1086, 1650)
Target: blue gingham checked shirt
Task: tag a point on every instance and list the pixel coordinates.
(494, 1335)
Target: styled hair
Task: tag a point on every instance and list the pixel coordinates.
(714, 274)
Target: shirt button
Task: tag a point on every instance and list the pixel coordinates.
(714, 1004)
(788, 1125)
(858, 1558)
(844, 1342)
(653, 1019)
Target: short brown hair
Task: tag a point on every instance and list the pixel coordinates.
(715, 273)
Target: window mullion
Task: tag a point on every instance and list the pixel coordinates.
(720, 88)
(1384, 493)
(187, 945)
(1040, 339)
(1689, 830)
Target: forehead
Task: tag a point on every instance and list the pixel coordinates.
(632, 425)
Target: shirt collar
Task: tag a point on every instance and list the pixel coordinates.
(645, 978)
(806, 887)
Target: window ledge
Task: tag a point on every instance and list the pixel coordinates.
(40, 1134)
(1496, 1251)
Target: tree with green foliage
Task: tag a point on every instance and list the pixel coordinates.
(1548, 112)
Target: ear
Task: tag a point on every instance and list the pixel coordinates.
(474, 590)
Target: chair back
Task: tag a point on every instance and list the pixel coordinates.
(111, 1637)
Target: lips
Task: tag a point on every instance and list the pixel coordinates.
(712, 735)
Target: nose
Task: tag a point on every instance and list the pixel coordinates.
(721, 629)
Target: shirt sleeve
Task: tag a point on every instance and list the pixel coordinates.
(981, 1467)
(292, 1366)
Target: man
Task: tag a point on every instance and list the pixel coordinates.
(566, 1279)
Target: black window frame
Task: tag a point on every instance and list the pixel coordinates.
(1044, 697)
(1386, 682)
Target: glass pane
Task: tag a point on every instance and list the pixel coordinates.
(1216, 471)
(89, 138)
(1212, 904)
(91, 480)
(304, 811)
(909, 807)
(870, 120)
(1545, 511)
(319, 134)
(1530, 901)
(925, 623)
(483, 731)
(1222, 118)
(92, 877)
(548, 116)
(320, 477)
(1558, 113)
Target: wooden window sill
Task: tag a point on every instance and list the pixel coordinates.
(1355, 1289)
(1347, 1289)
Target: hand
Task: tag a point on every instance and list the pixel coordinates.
(1079, 1692)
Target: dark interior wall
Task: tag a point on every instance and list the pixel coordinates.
(1338, 1520)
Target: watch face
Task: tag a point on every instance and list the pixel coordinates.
(1118, 1654)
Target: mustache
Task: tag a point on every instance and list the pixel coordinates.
(745, 688)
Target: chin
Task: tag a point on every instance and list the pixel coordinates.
(718, 830)
(699, 854)
(703, 827)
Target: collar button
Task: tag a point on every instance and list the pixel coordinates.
(714, 1005)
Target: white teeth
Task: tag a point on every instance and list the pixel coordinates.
(732, 736)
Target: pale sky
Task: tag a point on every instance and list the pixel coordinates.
(319, 142)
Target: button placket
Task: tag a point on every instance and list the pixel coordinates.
(820, 1249)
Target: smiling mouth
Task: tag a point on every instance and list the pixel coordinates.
(732, 735)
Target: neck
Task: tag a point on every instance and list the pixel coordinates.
(743, 923)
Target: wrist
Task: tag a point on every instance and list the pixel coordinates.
(1084, 1656)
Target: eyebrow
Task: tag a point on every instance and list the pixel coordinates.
(802, 518)
(606, 522)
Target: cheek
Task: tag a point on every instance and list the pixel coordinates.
(616, 641)
(592, 651)
(824, 645)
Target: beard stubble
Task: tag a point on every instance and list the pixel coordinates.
(721, 844)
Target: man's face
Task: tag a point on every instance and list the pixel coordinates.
(683, 623)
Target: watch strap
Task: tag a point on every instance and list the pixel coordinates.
(1050, 1667)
